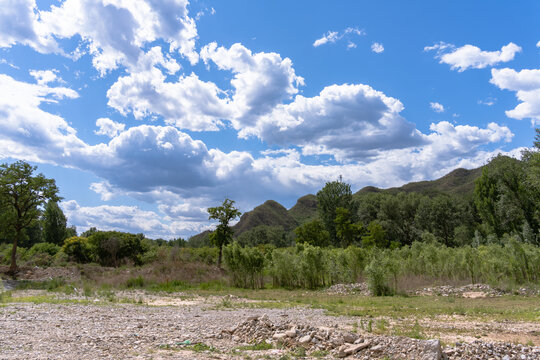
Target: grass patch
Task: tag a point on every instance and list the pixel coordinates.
(263, 345)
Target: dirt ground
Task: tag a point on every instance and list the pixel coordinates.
(37, 325)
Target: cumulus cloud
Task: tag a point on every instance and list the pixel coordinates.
(128, 218)
(526, 84)
(111, 31)
(44, 77)
(108, 127)
(333, 36)
(261, 80)
(377, 47)
(538, 44)
(347, 121)
(20, 23)
(188, 103)
(435, 106)
(472, 57)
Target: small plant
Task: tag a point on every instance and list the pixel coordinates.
(382, 325)
(137, 282)
(263, 345)
(299, 352)
(369, 326)
(201, 347)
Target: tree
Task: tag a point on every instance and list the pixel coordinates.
(346, 230)
(54, 224)
(223, 233)
(312, 233)
(333, 195)
(22, 195)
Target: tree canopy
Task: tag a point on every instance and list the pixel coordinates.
(223, 233)
(22, 194)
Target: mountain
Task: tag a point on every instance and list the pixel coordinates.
(270, 213)
(458, 182)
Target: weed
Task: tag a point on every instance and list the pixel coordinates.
(263, 345)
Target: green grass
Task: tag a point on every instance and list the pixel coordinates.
(258, 346)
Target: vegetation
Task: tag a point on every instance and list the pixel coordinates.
(21, 196)
(223, 233)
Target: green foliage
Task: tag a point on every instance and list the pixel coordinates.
(505, 198)
(264, 234)
(223, 233)
(54, 224)
(21, 195)
(79, 249)
(112, 248)
(245, 265)
(312, 233)
(377, 276)
(347, 231)
(333, 195)
(376, 236)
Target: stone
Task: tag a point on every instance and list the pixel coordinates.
(349, 338)
(291, 333)
(353, 349)
(279, 336)
(304, 339)
(432, 350)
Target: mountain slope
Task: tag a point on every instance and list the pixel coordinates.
(270, 213)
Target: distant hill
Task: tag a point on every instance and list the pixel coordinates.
(270, 213)
(305, 209)
(457, 182)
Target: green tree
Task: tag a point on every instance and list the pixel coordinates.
(312, 233)
(347, 231)
(22, 195)
(54, 224)
(333, 195)
(223, 233)
(376, 236)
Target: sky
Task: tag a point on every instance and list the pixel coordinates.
(147, 112)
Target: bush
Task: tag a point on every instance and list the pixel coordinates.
(111, 248)
(377, 276)
(79, 249)
(245, 265)
(42, 248)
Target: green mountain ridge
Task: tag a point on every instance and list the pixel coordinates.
(458, 182)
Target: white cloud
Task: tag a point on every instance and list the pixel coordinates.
(347, 121)
(333, 36)
(261, 80)
(472, 57)
(112, 31)
(377, 47)
(330, 36)
(108, 127)
(435, 106)
(128, 218)
(44, 77)
(538, 44)
(19, 23)
(4, 61)
(526, 83)
(188, 103)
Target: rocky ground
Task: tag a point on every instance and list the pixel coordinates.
(187, 326)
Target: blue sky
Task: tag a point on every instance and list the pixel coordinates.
(147, 112)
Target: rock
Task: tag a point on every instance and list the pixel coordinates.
(291, 333)
(279, 336)
(341, 351)
(304, 339)
(376, 348)
(349, 338)
(432, 350)
(353, 349)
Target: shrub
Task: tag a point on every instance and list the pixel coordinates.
(377, 276)
(245, 265)
(78, 248)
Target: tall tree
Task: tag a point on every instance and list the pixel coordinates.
(223, 233)
(54, 224)
(23, 194)
(333, 195)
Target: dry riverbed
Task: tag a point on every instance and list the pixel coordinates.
(36, 324)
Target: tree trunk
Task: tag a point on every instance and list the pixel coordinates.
(13, 267)
(219, 256)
